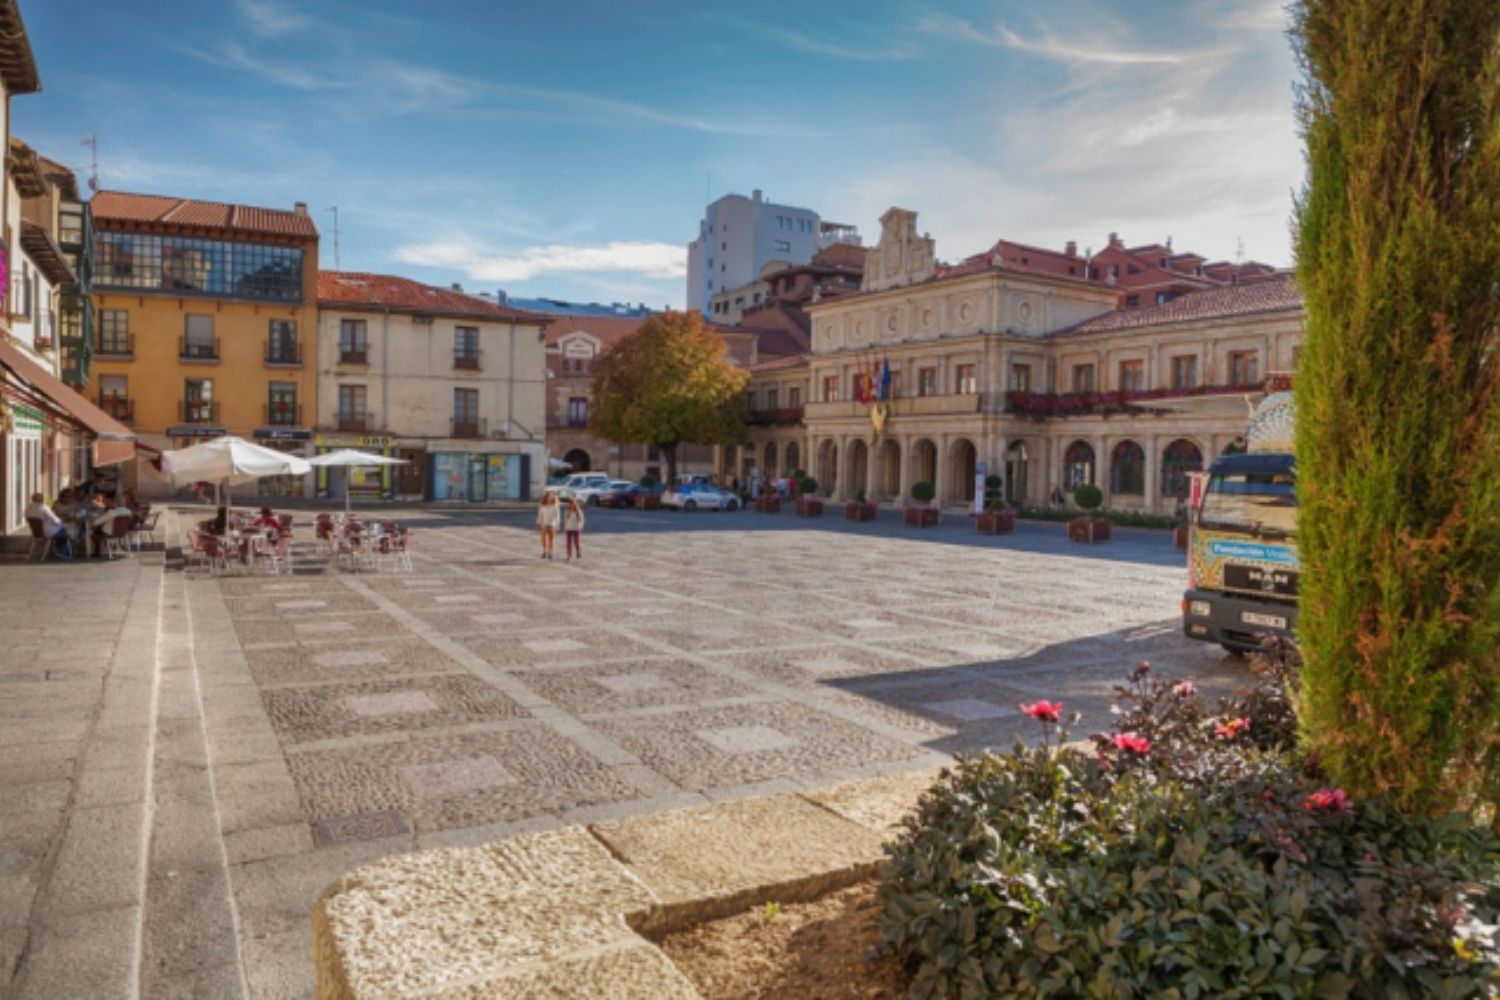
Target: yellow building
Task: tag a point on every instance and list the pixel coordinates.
(205, 318)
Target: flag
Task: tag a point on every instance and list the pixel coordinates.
(883, 388)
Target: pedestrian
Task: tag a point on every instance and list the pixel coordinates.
(547, 517)
(1058, 500)
(573, 529)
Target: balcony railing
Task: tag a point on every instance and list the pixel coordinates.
(1043, 405)
(468, 360)
(198, 412)
(288, 353)
(352, 421)
(198, 350)
(353, 354)
(780, 415)
(116, 347)
(469, 427)
(904, 406)
(122, 408)
(281, 414)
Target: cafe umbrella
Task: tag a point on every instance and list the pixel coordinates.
(348, 458)
(228, 461)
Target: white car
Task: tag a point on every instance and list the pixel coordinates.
(590, 492)
(696, 496)
(569, 487)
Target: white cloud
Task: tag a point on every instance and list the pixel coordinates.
(270, 19)
(640, 258)
(1049, 46)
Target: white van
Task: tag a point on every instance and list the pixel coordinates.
(578, 481)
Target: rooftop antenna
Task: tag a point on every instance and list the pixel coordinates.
(93, 143)
(1239, 249)
(335, 210)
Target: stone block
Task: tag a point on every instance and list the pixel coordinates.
(875, 803)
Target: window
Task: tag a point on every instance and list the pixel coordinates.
(198, 338)
(190, 265)
(967, 383)
(1083, 378)
(770, 399)
(1132, 301)
(794, 396)
(465, 412)
(353, 348)
(927, 384)
(749, 400)
(1180, 460)
(1078, 465)
(1244, 367)
(783, 246)
(352, 413)
(466, 347)
(1020, 378)
(895, 392)
(198, 401)
(114, 332)
(281, 407)
(281, 342)
(830, 388)
(114, 396)
(1132, 376)
(1127, 469)
(578, 411)
(1185, 371)
(1162, 298)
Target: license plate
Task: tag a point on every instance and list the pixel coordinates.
(1256, 618)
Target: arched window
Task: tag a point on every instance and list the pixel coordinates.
(1078, 465)
(1127, 469)
(1181, 458)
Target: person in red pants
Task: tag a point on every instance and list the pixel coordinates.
(573, 529)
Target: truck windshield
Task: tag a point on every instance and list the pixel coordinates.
(1261, 504)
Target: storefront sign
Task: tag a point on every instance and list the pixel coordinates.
(281, 434)
(360, 479)
(196, 431)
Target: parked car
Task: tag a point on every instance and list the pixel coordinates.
(572, 484)
(614, 493)
(692, 496)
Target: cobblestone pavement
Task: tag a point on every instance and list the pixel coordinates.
(295, 727)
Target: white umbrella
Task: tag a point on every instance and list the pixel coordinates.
(348, 458)
(228, 461)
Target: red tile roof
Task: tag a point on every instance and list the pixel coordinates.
(607, 330)
(1278, 294)
(359, 291)
(119, 206)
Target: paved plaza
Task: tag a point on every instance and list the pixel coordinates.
(189, 760)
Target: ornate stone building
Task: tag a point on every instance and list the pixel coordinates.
(1043, 377)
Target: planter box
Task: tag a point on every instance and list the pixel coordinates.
(1180, 536)
(647, 501)
(854, 511)
(809, 507)
(768, 503)
(920, 517)
(1088, 530)
(998, 522)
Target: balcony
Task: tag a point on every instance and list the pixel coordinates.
(467, 361)
(198, 350)
(283, 354)
(121, 348)
(352, 421)
(956, 403)
(198, 411)
(1045, 405)
(281, 414)
(122, 408)
(353, 354)
(774, 417)
(469, 427)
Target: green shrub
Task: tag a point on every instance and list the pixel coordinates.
(1088, 496)
(1126, 518)
(648, 482)
(807, 484)
(993, 483)
(1201, 866)
(859, 496)
(922, 491)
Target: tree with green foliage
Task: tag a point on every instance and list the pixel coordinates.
(669, 383)
(1398, 421)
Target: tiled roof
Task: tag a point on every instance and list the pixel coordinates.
(1272, 295)
(119, 206)
(357, 290)
(17, 64)
(607, 330)
(779, 364)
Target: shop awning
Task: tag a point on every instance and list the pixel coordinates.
(114, 442)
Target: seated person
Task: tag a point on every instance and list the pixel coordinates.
(52, 525)
(66, 502)
(129, 500)
(218, 524)
(267, 521)
(102, 521)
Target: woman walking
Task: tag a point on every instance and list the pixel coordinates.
(573, 528)
(547, 517)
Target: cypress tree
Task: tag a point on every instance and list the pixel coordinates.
(1398, 419)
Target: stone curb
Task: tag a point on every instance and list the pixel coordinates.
(574, 912)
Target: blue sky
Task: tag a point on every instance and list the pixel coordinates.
(565, 149)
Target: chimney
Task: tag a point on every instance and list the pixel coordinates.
(300, 208)
(457, 287)
(755, 195)
(1115, 243)
(1072, 248)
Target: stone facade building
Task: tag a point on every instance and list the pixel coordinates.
(1043, 378)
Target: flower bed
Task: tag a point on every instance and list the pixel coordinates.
(1190, 853)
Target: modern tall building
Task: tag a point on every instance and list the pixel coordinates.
(738, 236)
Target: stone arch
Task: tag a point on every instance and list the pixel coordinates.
(792, 458)
(923, 460)
(1235, 447)
(1127, 469)
(963, 462)
(1017, 467)
(578, 460)
(888, 477)
(1078, 465)
(828, 465)
(1179, 460)
(856, 468)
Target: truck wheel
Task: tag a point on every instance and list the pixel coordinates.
(1233, 650)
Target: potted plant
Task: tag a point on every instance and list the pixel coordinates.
(921, 514)
(648, 498)
(769, 502)
(808, 503)
(1090, 526)
(858, 510)
(996, 518)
